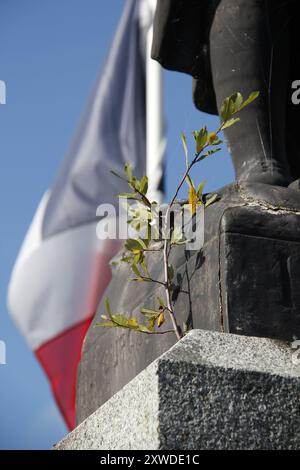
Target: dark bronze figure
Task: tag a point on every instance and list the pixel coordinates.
(240, 45)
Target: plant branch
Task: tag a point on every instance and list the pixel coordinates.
(167, 247)
(230, 106)
(149, 279)
(144, 198)
(167, 291)
(153, 249)
(119, 325)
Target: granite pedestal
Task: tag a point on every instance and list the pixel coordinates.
(210, 391)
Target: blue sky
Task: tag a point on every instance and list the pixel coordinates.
(50, 54)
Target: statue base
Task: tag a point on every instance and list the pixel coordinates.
(245, 280)
(210, 391)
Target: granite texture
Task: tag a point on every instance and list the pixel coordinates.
(210, 391)
(125, 422)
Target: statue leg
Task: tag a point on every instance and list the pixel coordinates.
(249, 47)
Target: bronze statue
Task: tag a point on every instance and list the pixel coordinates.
(240, 45)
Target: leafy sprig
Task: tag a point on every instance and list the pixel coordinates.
(144, 217)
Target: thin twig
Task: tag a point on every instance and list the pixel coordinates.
(140, 331)
(153, 249)
(167, 290)
(144, 198)
(166, 242)
(149, 279)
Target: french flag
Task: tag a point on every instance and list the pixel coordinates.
(63, 269)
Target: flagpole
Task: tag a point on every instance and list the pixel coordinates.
(155, 125)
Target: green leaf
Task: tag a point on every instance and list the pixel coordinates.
(107, 306)
(133, 323)
(230, 123)
(230, 106)
(143, 329)
(217, 142)
(235, 103)
(161, 320)
(144, 243)
(151, 324)
(226, 110)
(128, 172)
(183, 138)
(139, 259)
(107, 325)
(211, 200)
(207, 154)
(135, 184)
(182, 242)
(161, 302)
(129, 196)
(250, 99)
(120, 319)
(201, 139)
(126, 259)
(148, 312)
(193, 199)
(135, 245)
(189, 181)
(200, 189)
(136, 271)
(144, 185)
(237, 100)
(131, 244)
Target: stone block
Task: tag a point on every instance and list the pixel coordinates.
(210, 391)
